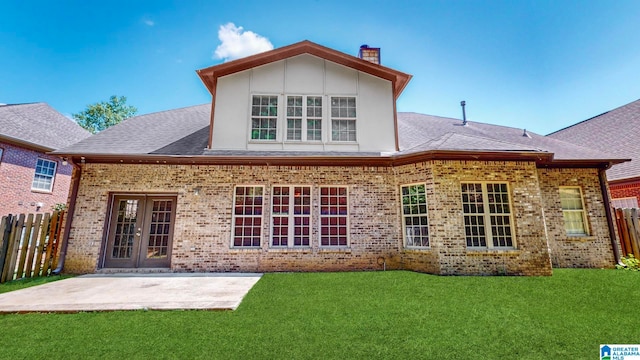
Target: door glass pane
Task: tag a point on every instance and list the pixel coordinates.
(159, 229)
(125, 229)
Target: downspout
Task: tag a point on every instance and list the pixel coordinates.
(75, 184)
(602, 174)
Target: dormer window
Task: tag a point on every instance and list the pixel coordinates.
(264, 117)
(343, 118)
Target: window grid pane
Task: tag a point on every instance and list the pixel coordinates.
(343, 119)
(333, 216)
(414, 213)
(247, 216)
(44, 173)
(572, 211)
(291, 216)
(159, 229)
(314, 118)
(487, 214)
(264, 117)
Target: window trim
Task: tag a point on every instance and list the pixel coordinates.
(585, 223)
(347, 216)
(291, 216)
(234, 216)
(487, 217)
(53, 177)
(304, 119)
(330, 119)
(403, 216)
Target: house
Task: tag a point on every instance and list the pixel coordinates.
(31, 180)
(617, 132)
(302, 163)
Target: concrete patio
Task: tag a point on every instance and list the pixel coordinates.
(123, 291)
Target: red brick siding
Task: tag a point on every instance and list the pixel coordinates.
(17, 168)
(625, 190)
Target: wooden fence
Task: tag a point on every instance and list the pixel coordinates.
(29, 245)
(628, 231)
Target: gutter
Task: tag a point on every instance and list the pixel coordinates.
(602, 175)
(75, 184)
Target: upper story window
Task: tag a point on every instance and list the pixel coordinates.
(304, 118)
(343, 118)
(415, 224)
(264, 117)
(43, 177)
(573, 210)
(487, 215)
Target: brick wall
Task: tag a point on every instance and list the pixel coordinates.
(17, 168)
(576, 251)
(625, 190)
(202, 233)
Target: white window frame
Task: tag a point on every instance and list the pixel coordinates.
(39, 178)
(408, 238)
(583, 211)
(252, 216)
(629, 202)
(290, 215)
(330, 216)
(253, 117)
(487, 216)
(304, 118)
(341, 118)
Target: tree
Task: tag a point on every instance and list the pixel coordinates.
(99, 116)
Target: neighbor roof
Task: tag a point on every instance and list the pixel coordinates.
(39, 126)
(184, 133)
(617, 132)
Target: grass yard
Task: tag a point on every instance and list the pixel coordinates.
(21, 284)
(365, 315)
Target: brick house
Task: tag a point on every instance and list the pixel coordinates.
(617, 132)
(30, 179)
(302, 163)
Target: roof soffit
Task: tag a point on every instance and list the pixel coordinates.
(209, 75)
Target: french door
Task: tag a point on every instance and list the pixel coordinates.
(140, 231)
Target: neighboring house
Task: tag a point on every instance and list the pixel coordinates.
(301, 163)
(30, 179)
(616, 132)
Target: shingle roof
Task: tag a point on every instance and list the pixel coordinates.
(185, 132)
(616, 132)
(40, 125)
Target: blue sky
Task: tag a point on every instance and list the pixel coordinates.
(540, 65)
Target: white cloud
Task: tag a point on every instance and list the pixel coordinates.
(149, 22)
(237, 43)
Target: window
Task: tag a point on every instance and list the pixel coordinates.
(43, 178)
(573, 211)
(333, 216)
(487, 215)
(625, 203)
(290, 216)
(304, 118)
(264, 117)
(247, 216)
(1, 150)
(415, 225)
(343, 119)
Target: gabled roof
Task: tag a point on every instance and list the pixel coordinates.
(38, 126)
(181, 135)
(210, 75)
(617, 132)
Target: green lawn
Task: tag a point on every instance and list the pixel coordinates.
(366, 315)
(21, 284)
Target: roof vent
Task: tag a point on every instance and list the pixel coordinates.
(370, 54)
(526, 134)
(464, 114)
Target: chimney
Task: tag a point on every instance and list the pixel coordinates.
(370, 54)
(464, 114)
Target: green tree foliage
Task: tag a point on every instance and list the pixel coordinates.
(99, 116)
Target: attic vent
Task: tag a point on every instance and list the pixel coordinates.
(464, 114)
(370, 54)
(526, 134)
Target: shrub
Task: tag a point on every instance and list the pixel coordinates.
(629, 263)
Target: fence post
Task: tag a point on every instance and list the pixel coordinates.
(5, 232)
